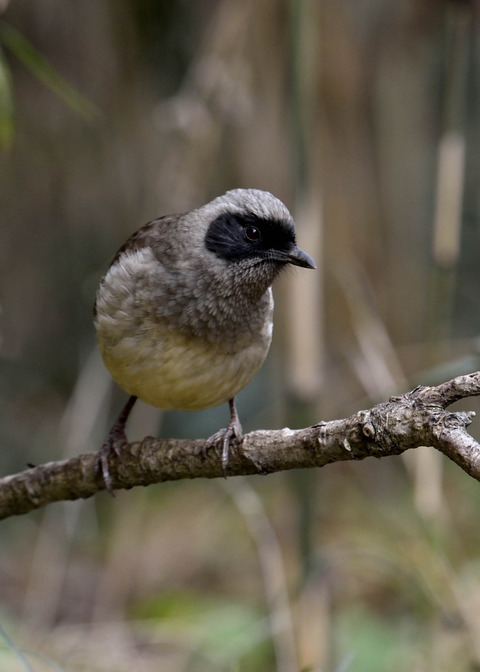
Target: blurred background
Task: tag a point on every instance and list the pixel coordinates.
(363, 117)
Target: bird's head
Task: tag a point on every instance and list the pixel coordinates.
(252, 231)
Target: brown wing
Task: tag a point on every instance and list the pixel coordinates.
(144, 237)
(147, 235)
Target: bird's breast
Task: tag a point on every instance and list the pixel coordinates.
(168, 363)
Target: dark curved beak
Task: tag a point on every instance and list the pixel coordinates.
(295, 256)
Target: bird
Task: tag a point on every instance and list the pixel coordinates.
(184, 313)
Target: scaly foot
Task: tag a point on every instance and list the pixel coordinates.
(112, 445)
(232, 433)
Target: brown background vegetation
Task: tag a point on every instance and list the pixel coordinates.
(363, 118)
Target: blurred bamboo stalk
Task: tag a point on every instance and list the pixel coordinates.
(216, 92)
(379, 369)
(304, 333)
(269, 552)
(448, 205)
(447, 227)
(447, 223)
(304, 338)
(50, 559)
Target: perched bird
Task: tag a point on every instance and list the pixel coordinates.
(184, 313)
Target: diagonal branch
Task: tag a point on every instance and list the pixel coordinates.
(411, 420)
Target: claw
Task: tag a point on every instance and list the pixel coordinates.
(113, 444)
(231, 434)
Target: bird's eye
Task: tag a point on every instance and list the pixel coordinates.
(253, 234)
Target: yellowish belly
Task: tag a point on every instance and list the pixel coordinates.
(168, 370)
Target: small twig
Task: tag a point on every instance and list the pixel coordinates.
(418, 418)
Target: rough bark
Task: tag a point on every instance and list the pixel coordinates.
(418, 418)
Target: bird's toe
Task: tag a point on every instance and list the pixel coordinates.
(111, 447)
(222, 441)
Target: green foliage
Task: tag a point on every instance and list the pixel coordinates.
(45, 72)
(376, 644)
(6, 103)
(226, 634)
(12, 653)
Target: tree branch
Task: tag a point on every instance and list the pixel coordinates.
(418, 418)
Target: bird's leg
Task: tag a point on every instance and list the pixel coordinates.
(115, 440)
(232, 432)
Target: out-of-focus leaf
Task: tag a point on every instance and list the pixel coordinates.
(219, 630)
(10, 645)
(374, 643)
(41, 68)
(6, 104)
